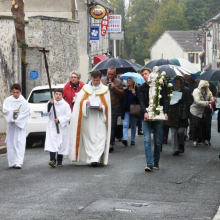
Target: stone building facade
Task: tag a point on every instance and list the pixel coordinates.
(58, 35)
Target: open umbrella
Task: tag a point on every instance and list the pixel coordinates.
(185, 64)
(159, 62)
(121, 65)
(136, 66)
(172, 70)
(211, 75)
(136, 76)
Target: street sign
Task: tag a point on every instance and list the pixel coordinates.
(114, 23)
(117, 36)
(33, 74)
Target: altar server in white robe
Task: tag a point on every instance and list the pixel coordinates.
(90, 123)
(57, 143)
(16, 112)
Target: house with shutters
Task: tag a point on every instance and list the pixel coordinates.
(178, 44)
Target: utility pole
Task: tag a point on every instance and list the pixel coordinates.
(17, 10)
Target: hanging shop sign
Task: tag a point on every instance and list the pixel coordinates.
(98, 12)
(114, 23)
(104, 24)
(94, 32)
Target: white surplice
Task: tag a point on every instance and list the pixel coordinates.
(94, 135)
(58, 142)
(16, 129)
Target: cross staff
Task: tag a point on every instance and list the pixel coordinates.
(48, 77)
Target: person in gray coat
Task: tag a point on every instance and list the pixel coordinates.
(202, 99)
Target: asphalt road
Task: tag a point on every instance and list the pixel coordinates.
(185, 187)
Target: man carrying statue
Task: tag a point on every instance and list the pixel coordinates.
(146, 96)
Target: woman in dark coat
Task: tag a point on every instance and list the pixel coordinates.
(130, 97)
(178, 116)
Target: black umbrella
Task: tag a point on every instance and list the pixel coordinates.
(172, 70)
(121, 65)
(135, 65)
(159, 62)
(211, 75)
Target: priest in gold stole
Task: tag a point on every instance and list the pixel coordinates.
(90, 124)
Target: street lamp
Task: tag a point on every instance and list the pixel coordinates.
(209, 36)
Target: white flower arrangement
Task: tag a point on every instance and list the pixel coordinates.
(161, 81)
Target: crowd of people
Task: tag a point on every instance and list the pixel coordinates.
(89, 117)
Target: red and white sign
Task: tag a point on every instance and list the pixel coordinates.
(104, 24)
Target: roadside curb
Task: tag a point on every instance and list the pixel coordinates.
(3, 149)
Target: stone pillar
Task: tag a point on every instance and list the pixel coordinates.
(10, 62)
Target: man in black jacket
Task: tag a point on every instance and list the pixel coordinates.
(148, 126)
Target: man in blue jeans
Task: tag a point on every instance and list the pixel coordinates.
(147, 126)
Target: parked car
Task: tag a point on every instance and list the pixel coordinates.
(37, 122)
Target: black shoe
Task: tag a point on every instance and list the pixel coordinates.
(125, 142)
(148, 168)
(94, 164)
(176, 153)
(52, 163)
(59, 164)
(140, 133)
(111, 149)
(132, 142)
(156, 166)
(181, 148)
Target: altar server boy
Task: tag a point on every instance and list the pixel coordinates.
(16, 112)
(57, 143)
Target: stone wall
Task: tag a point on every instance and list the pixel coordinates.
(10, 62)
(60, 37)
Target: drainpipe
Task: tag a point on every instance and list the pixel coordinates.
(76, 9)
(88, 34)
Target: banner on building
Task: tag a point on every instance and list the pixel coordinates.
(114, 23)
(104, 24)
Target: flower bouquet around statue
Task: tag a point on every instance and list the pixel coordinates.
(157, 81)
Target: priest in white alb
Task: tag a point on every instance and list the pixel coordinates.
(16, 112)
(90, 124)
